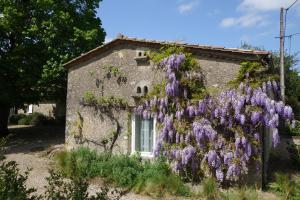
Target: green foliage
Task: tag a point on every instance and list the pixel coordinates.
(194, 85)
(35, 119)
(3, 141)
(119, 169)
(13, 183)
(76, 189)
(294, 131)
(292, 77)
(294, 150)
(285, 186)
(243, 193)
(255, 73)
(36, 38)
(157, 179)
(112, 70)
(15, 118)
(210, 189)
(153, 178)
(104, 103)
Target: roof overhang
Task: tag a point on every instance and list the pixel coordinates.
(155, 43)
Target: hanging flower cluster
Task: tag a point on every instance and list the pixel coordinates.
(216, 136)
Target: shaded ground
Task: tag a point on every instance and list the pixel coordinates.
(29, 139)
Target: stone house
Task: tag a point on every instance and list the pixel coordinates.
(136, 76)
(121, 68)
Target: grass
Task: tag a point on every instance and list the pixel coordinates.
(156, 178)
(286, 187)
(145, 177)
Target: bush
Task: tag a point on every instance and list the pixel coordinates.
(210, 189)
(296, 130)
(12, 183)
(24, 121)
(288, 188)
(294, 150)
(131, 172)
(35, 119)
(14, 119)
(76, 189)
(157, 179)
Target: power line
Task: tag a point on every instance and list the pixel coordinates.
(289, 36)
(286, 12)
(291, 5)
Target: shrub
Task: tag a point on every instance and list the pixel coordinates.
(294, 150)
(288, 188)
(294, 131)
(157, 179)
(38, 119)
(24, 121)
(35, 119)
(14, 119)
(122, 170)
(12, 183)
(76, 189)
(210, 189)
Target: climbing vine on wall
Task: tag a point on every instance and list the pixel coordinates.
(217, 136)
(103, 103)
(106, 106)
(114, 71)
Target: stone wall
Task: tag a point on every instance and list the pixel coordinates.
(90, 75)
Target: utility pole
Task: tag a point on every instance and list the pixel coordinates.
(282, 85)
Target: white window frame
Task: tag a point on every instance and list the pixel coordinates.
(143, 154)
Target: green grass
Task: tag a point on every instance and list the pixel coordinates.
(286, 187)
(145, 177)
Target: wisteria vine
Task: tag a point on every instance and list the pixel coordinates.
(215, 136)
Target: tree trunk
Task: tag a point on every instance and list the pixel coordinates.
(4, 112)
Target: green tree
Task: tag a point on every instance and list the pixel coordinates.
(36, 38)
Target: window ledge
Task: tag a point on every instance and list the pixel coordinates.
(144, 154)
(141, 58)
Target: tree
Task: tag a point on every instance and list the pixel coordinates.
(36, 38)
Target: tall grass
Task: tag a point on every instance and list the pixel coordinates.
(152, 178)
(288, 188)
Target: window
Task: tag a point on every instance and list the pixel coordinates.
(145, 90)
(30, 109)
(143, 136)
(138, 90)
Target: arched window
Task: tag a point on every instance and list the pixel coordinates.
(140, 54)
(145, 89)
(138, 90)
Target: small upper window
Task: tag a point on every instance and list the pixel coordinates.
(140, 54)
(138, 90)
(145, 89)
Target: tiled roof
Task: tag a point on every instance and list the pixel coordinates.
(122, 38)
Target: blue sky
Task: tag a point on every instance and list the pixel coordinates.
(211, 22)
